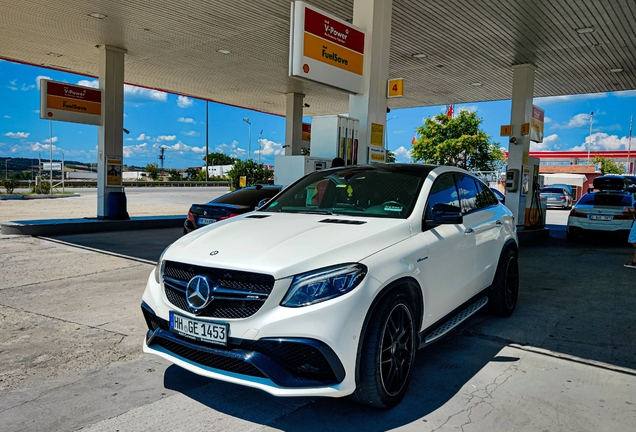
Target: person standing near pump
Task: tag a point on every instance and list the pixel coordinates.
(632, 238)
(337, 162)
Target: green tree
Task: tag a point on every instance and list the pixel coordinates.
(152, 169)
(458, 142)
(219, 159)
(608, 166)
(174, 175)
(10, 184)
(390, 156)
(254, 172)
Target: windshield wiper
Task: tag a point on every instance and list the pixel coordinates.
(318, 212)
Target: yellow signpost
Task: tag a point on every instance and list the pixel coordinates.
(395, 88)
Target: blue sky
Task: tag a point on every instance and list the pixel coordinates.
(157, 119)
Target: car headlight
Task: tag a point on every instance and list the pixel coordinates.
(159, 267)
(324, 284)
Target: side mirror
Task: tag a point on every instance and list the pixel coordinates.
(444, 214)
(262, 202)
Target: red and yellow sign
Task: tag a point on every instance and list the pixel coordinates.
(71, 103)
(306, 132)
(536, 124)
(326, 49)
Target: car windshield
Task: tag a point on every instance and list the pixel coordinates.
(385, 192)
(607, 200)
(552, 190)
(247, 197)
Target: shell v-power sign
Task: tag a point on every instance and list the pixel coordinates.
(325, 49)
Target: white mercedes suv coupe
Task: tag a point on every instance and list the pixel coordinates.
(331, 287)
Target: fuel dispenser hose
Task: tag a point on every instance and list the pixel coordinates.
(535, 218)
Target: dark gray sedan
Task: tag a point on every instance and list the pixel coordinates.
(557, 197)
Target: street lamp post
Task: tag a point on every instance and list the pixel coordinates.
(249, 139)
(386, 133)
(589, 143)
(259, 146)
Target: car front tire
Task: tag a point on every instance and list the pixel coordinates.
(505, 287)
(388, 353)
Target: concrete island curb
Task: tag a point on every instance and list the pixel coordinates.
(54, 227)
(36, 196)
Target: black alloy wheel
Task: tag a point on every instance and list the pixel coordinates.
(387, 352)
(502, 300)
(397, 352)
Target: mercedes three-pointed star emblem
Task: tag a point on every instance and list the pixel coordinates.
(198, 292)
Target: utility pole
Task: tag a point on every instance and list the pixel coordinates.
(629, 144)
(259, 146)
(162, 157)
(249, 139)
(206, 143)
(589, 144)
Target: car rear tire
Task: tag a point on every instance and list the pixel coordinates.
(388, 353)
(502, 300)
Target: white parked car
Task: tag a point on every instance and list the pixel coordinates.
(330, 288)
(601, 211)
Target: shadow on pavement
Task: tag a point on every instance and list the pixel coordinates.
(142, 244)
(440, 372)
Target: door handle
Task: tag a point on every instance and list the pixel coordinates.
(469, 231)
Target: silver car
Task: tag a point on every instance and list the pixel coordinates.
(557, 197)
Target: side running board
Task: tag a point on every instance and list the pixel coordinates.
(453, 322)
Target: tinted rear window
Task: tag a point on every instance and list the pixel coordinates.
(608, 200)
(552, 190)
(247, 197)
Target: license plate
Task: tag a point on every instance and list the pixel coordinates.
(206, 221)
(599, 217)
(204, 331)
(551, 199)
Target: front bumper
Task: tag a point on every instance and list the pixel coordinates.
(308, 351)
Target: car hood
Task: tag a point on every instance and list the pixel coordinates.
(283, 244)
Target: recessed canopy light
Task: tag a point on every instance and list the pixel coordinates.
(223, 51)
(52, 54)
(97, 15)
(584, 30)
(476, 84)
(419, 56)
(616, 70)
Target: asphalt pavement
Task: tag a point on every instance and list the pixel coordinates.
(71, 332)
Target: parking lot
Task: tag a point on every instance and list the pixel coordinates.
(71, 332)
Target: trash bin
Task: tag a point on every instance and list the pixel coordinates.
(116, 206)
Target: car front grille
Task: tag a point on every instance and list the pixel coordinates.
(248, 290)
(287, 362)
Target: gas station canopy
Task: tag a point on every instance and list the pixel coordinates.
(236, 52)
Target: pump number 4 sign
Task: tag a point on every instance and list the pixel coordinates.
(396, 88)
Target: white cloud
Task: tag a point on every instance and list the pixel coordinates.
(190, 133)
(269, 148)
(627, 93)
(603, 141)
(135, 150)
(48, 140)
(38, 78)
(578, 120)
(89, 83)
(232, 150)
(547, 144)
(547, 119)
(162, 138)
(568, 98)
(143, 137)
(7, 116)
(184, 102)
(181, 148)
(13, 82)
(37, 146)
(185, 120)
(402, 154)
(137, 93)
(18, 134)
(469, 108)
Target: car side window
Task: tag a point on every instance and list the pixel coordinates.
(485, 197)
(443, 191)
(467, 193)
